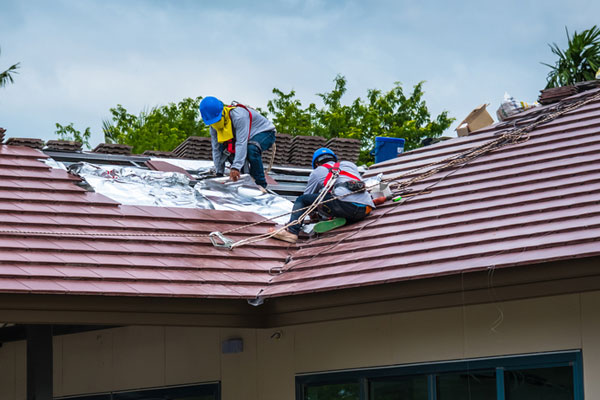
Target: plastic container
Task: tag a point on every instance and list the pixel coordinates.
(387, 148)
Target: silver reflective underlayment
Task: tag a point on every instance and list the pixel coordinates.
(142, 187)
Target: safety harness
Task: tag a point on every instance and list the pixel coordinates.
(230, 144)
(354, 185)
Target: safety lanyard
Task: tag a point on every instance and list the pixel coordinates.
(231, 143)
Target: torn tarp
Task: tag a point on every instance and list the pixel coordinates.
(137, 186)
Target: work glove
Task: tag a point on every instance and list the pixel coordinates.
(234, 175)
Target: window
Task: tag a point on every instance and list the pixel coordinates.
(473, 385)
(399, 388)
(188, 392)
(547, 376)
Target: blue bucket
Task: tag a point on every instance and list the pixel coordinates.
(387, 148)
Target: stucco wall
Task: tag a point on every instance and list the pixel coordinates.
(138, 357)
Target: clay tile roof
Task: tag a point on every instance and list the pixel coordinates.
(526, 203)
(63, 145)
(283, 142)
(529, 202)
(195, 147)
(302, 149)
(58, 238)
(113, 148)
(28, 142)
(157, 153)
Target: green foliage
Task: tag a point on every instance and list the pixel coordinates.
(68, 132)
(579, 62)
(7, 75)
(287, 112)
(389, 114)
(160, 128)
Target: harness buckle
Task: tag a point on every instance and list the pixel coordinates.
(226, 242)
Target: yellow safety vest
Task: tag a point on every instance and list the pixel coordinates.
(224, 127)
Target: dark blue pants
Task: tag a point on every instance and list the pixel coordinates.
(265, 140)
(334, 208)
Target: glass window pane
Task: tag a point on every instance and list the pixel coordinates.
(474, 385)
(541, 383)
(339, 391)
(404, 388)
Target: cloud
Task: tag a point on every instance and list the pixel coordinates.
(79, 58)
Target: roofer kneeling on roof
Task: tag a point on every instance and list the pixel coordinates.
(353, 207)
(238, 133)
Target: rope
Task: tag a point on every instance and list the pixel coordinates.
(272, 158)
(517, 135)
(309, 209)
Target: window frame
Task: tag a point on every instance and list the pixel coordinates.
(205, 388)
(363, 376)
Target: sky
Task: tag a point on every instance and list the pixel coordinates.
(79, 58)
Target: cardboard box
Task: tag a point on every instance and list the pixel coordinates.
(477, 119)
(463, 129)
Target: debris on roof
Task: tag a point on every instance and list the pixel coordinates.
(510, 107)
(477, 119)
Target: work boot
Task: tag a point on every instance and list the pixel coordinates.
(286, 236)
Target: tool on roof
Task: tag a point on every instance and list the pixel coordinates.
(382, 194)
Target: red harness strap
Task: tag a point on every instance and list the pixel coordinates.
(336, 167)
(230, 144)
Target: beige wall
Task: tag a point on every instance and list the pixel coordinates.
(138, 357)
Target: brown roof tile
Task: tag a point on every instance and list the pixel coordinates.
(525, 203)
(58, 238)
(113, 148)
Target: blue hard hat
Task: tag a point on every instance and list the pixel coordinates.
(323, 151)
(211, 110)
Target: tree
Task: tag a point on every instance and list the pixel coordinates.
(68, 132)
(393, 114)
(390, 114)
(288, 114)
(579, 62)
(7, 75)
(160, 128)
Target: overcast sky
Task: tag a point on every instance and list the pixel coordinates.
(81, 57)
